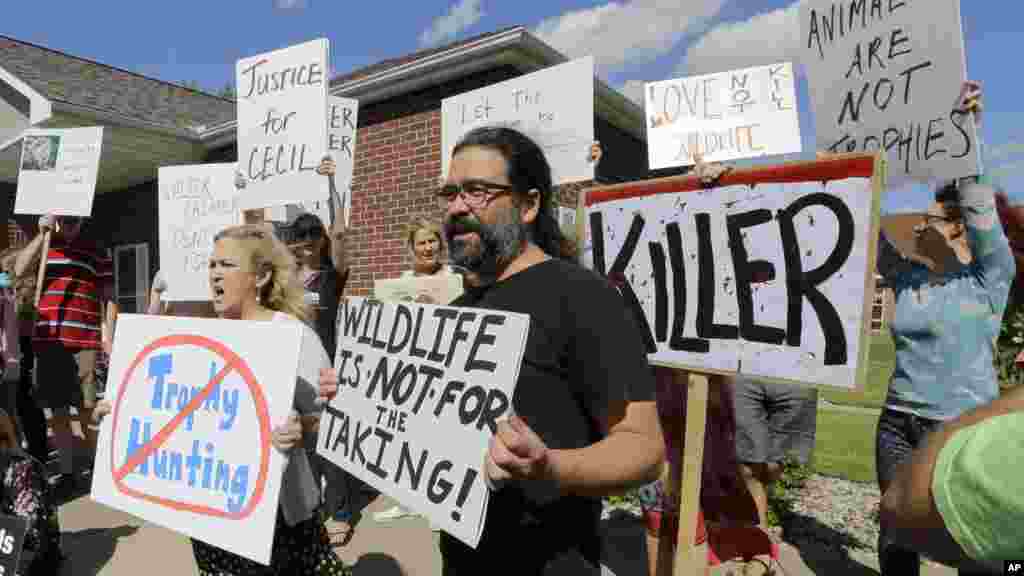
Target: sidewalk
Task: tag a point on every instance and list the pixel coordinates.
(100, 541)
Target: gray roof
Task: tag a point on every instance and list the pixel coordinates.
(65, 78)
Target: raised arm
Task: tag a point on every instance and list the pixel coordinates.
(29, 255)
(337, 233)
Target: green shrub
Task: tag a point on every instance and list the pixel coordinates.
(784, 493)
(1010, 343)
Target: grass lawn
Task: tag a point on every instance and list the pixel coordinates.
(845, 445)
(873, 396)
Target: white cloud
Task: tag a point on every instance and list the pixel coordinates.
(289, 4)
(459, 17)
(634, 90)
(621, 33)
(766, 38)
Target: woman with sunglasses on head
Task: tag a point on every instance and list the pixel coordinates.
(950, 296)
(252, 278)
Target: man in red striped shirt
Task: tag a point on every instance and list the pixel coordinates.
(67, 331)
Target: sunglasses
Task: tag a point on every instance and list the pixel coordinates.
(474, 193)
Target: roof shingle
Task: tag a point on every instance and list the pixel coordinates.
(62, 77)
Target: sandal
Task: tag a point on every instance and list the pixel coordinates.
(339, 533)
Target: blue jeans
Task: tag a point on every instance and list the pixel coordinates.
(899, 434)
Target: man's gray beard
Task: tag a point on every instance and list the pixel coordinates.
(499, 244)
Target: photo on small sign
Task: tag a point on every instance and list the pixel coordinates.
(39, 153)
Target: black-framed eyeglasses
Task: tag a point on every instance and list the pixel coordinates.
(475, 193)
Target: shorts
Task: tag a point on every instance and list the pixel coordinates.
(774, 421)
(64, 377)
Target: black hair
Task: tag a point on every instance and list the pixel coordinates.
(949, 196)
(307, 227)
(527, 169)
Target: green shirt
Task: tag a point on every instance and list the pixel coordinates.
(977, 488)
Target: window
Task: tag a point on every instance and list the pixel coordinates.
(131, 277)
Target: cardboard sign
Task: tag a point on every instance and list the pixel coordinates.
(886, 76)
(58, 171)
(12, 541)
(187, 446)
(421, 390)
(726, 116)
(196, 202)
(553, 106)
(441, 288)
(769, 275)
(282, 124)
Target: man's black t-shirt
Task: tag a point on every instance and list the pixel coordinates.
(583, 353)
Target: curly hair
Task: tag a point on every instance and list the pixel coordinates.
(283, 292)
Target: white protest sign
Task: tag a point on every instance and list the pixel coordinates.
(726, 116)
(58, 171)
(768, 281)
(442, 288)
(196, 202)
(282, 124)
(553, 106)
(421, 388)
(187, 445)
(885, 75)
(342, 122)
(342, 115)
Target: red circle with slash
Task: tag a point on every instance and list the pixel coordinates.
(232, 362)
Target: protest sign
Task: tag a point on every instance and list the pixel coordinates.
(768, 275)
(421, 389)
(440, 288)
(342, 115)
(725, 116)
(187, 445)
(12, 541)
(196, 202)
(342, 122)
(282, 124)
(58, 171)
(553, 106)
(885, 75)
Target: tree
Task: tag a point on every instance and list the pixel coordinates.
(228, 91)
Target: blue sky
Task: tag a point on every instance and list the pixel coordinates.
(632, 41)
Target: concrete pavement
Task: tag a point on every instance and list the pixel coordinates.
(100, 541)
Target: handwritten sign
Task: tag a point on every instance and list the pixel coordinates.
(196, 202)
(421, 390)
(727, 116)
(187, 446)
(342, 115)
(553, 106)
(885, 76)
(58, 171)
(442, 288)
(769, 275)
(342, 123)
(282, 124)
(12, 541)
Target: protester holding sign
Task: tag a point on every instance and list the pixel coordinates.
(252, 277)
(67, 331)
(549, 464)
(26, 495)
(950, 299)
